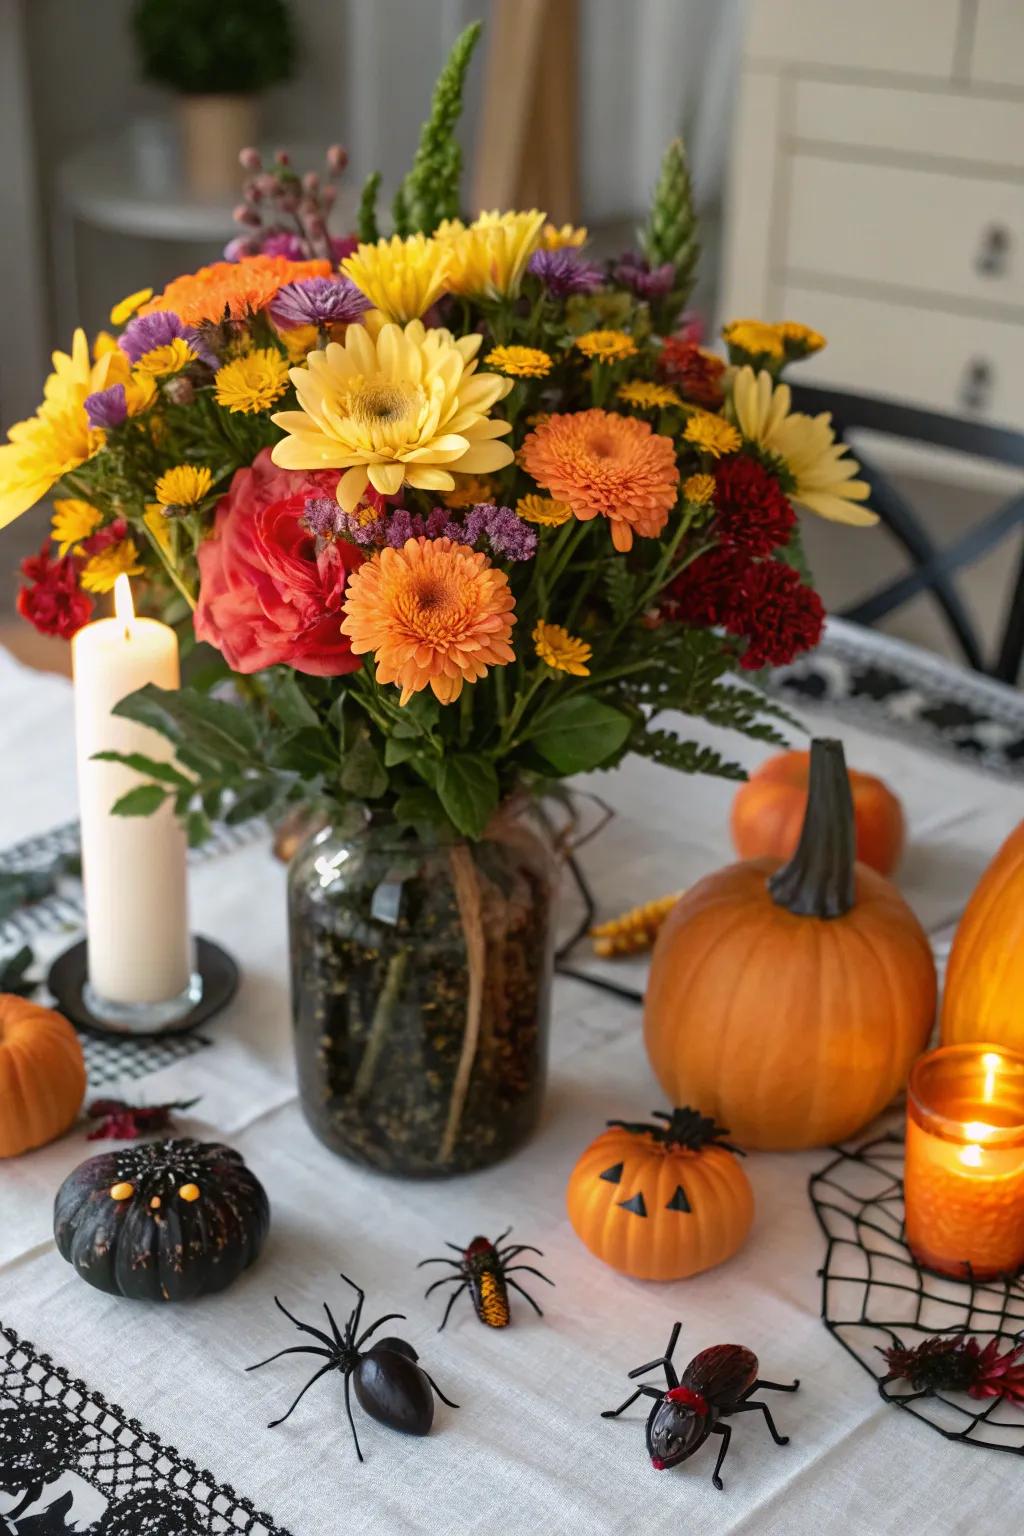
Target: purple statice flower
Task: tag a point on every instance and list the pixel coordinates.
(159, 329)
(319, 301)
(564, 272)
(323, 516)
(107, 408)
(505, 531)
(634, 271)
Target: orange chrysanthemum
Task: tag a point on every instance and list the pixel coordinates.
(607, 465)
(232, 288)
(433, 613)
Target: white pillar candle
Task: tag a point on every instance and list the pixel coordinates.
(133, 866)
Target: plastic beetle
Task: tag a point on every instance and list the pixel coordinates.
(390, 1384)
(716, 1384)
(485, 1268)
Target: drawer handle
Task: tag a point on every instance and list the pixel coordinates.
(976, 386)
(992, 259)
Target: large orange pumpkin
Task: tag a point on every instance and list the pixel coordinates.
(789, 1000)
(984, 998)
(660, 1202)
(768, 812)
(42, 1075)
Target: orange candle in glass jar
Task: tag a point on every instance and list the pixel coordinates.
(964, 1173)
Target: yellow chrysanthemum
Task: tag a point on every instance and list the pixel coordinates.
(470, 491)
(560, 650)
(401, 278)
(801, 337)
(123, 312)
(58, 437)
(755, 337)
(648, 397)
(159, 362)
(406, 407)
(711, 434)
(520, 362)
(607, 346)
(300, 342)
(185, 485)
(140, 391)
(155, 520)
(543, 510)
(103, 342)
(435, 614)
(820, 469)
(554, 237)
(252, 382)
(101, 571)
(699, 489)
(73, 521)
(489, 257)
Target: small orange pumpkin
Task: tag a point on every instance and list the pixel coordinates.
(768, 812)
(660, 1202)
(42, 1075)
(984, 998)
(789, 1000)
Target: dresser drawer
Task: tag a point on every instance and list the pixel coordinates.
(955, 363)
(890, 121)
(927, 232)
(906, 37)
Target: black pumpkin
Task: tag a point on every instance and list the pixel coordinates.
(163, 1221)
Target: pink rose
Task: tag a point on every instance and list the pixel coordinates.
(265, 595)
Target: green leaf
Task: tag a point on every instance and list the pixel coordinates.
(362, 772)
(256, 798)
(685, 756)
(197, 828)
(467, 787)
(225, 731)
(289, 702)
(399, 749)
(142, 801)
(14, 973)
(418, 808)
(580, 733)
(366, 219)
(149, 766)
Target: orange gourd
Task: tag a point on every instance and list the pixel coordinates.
(984, 998)
(768, 812)
(42, 1075)
(789, 1000)
(660, 1202)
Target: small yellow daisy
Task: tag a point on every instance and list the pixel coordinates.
(711, 434)
(648, 397)
(699, 489)
(470, 491)
(607, 346)
(560, 650)
(554, 237)
(800, 338)
(299, 343)
(543, 510)
(156, 521)
(139, 392)
(161, 361)
(183, 486)
(101, 571)
(73, 521)
(252, 383)
(520, 362)
(754, 337)
(103, 344)
(127, 307)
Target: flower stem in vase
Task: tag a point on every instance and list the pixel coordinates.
(467, 894)
(383, 1016)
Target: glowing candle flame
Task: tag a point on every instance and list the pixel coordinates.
(970, 1156)
(124, 608)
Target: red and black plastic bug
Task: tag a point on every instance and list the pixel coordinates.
(716, 1384)
(484, 1269)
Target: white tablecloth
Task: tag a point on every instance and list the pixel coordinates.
(527, 1453)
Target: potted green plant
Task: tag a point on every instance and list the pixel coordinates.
(217, 56)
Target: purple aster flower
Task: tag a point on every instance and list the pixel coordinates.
(505, 531)
(159, 329)
(323, 516)
(634, 271)
(563, 272)
(317, 301)
(107, 408)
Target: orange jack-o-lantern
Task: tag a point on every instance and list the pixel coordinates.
(660, 1202)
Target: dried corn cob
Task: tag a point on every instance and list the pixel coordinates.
(635, 931)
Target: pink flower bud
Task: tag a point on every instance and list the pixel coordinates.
(327, 197)
(282, 157)
(311, 182)
(337, 159)
(249, 159)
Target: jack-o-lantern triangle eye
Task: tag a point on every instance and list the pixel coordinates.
(679, 1201)
(636, 1205)
(612, 1175)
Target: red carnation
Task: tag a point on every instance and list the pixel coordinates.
(777, 614)
(704, 594)
(267, 595)
(752, 509)
(54, 603)
(695, 373)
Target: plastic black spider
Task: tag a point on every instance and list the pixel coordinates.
(390, 1386)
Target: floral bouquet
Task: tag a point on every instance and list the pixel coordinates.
(461, 510)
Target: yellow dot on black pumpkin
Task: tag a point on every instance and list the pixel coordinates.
(121, 1191)
(189, 1192)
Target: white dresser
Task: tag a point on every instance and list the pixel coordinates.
(876, 192)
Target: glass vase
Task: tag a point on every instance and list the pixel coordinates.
(421, 978)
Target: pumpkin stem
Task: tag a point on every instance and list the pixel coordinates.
(683, 1128)
(818, 881)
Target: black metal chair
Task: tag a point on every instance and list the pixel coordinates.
(934, 567)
